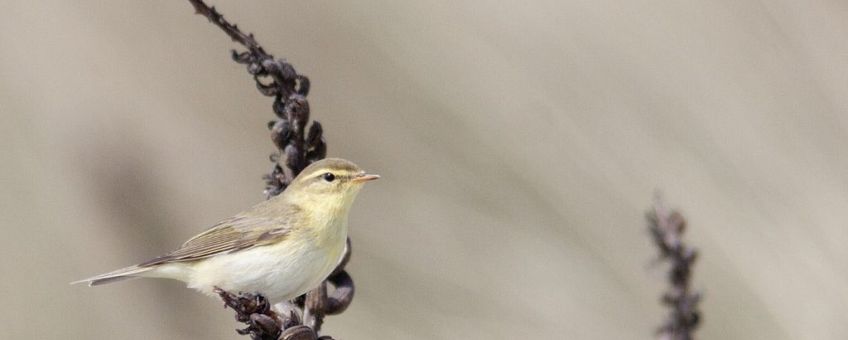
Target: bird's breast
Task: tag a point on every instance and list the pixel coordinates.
(280, 271)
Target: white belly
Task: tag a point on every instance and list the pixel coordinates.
(279, 273)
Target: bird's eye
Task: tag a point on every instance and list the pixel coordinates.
(329, 177)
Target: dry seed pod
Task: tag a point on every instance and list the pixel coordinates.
(299, 333)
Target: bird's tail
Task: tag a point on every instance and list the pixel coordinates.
(122, 274)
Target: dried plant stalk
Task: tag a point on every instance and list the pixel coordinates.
(297, 147)
(667, 227)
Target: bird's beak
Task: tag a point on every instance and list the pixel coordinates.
(362, 178)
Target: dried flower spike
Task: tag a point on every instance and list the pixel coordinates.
(666, 228)
(297, 147)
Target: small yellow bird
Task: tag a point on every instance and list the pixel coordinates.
(280, 248)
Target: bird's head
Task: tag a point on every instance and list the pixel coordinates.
(330, 182)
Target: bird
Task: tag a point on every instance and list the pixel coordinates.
(280, 248)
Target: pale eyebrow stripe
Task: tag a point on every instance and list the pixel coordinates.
(339, 173)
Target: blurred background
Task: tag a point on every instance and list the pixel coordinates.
(520, 145)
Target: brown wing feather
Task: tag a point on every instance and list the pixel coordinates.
(230, 235)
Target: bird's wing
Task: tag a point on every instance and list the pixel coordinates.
(230, 235)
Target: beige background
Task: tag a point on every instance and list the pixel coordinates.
(520, 145)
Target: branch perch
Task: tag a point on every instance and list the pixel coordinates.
(297, 147)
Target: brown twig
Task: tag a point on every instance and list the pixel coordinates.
(667, 227)
(277, 78)
(297, 147)
(232, 30)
